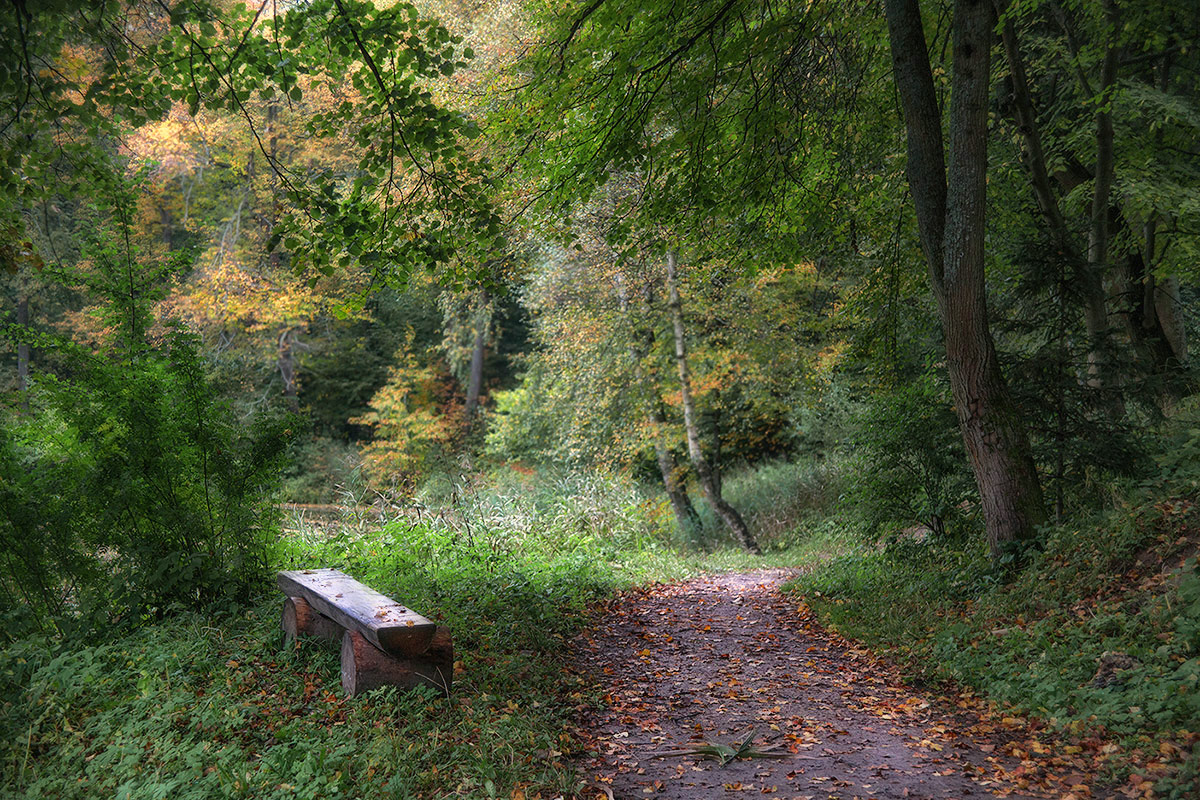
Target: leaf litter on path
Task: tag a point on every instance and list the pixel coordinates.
(685, 670)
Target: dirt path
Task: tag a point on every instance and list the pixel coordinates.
(712, 659)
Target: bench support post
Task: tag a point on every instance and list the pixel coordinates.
(301, 618)
(366, 667)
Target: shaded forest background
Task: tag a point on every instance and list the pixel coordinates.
(907, 289)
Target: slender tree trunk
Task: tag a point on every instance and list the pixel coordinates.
(950, 202)
(286, 361)
(23, 349)
(704, 473)
(681, 504)
(1167, 308)
(668, 468)
(1095, 307)
(1151, 308)
(1091, 274)
(475, 380)
(273, 142)
(167, 222)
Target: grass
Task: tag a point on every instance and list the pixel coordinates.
(198, 706)
(1121, 582)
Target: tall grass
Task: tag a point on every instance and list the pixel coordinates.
(783, 502)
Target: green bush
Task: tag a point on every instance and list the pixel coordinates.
(132, 490)
(912, 467)
(127, 487)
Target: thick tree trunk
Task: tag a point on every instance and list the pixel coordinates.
(951, 214)
(704, 473)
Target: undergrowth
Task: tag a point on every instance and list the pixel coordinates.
(1123, 583)
(214, 707)
(199, 706)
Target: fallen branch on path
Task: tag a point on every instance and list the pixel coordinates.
(725, 753)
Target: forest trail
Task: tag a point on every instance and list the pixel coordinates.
(712, 659)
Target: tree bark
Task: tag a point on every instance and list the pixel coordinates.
(1167, 308)
(926, 166)
(704, 473)
(685, 513)
(1095, 310)
(366, 667)
(1033, 152)
(950, 202)
(475, 380)
(23, 347)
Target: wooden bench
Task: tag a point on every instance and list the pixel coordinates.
(383, 643)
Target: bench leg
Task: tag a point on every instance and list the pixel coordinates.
(366, 667)
(301, 618)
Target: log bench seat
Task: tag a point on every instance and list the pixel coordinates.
(383, 643)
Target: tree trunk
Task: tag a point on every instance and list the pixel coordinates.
(1167, 308)
(286, 361)
(475, 380)
(950, 203)
(1095, 311)
(1151, 313)
(23, 347)
(1090, 274)
(685, 513)
(704, 473)
(274, 257)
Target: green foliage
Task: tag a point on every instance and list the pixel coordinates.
(317, 466)
(201, 706)
(1121, 582)
(226, 60)
(717, 105)
(781, 501)
(414, 418)
(910, 463)
(129, 488)
(133, 491)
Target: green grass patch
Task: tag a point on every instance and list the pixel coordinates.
(1125, 582)
(199, 706)
(196, 706)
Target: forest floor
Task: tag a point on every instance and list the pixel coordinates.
(716, 659)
